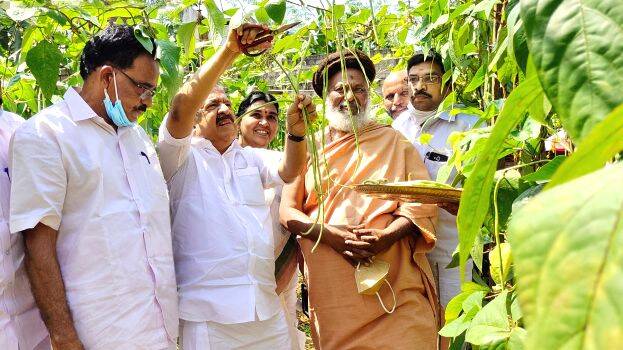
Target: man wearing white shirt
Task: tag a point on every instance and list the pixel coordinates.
(89, 196)
(223, 242)
(425, 72)
(21, 326)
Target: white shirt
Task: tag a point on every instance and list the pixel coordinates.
(20, 322)
(222, 230)
(273, 199)
(435, 155)
(105, 194)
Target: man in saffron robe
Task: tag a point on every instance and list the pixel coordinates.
(358, 227)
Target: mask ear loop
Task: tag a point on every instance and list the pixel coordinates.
(393, 296)
(114, 79)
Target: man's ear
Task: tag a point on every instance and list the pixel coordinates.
(105, 75)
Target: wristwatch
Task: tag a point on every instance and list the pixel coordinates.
(296, 138)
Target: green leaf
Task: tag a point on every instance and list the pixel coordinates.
(276, 10)
(455, 328)
(500, 276)
(545, 172)
(597, 148)
(44, 61)
(568, 249)
(216, 16)
(490, 325)
(186, 35)
(141, 35)
(477, 80)
(476, 193)
(169, 61)
(576, 47)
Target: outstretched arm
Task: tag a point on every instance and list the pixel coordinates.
(194, 92)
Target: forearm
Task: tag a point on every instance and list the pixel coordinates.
(402, 227)
(195, 91)
(47, 284)
(293, 162)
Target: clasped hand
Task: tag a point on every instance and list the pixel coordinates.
(358, 244)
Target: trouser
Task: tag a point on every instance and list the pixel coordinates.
(270, 334)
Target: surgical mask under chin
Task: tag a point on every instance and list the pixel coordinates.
(421, 116)
(115, 111)
(370, 278)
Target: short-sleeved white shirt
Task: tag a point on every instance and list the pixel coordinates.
(21, 326)
(104, 192)
(222, 229)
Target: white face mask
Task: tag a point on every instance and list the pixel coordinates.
(421, 116)
(369, 280)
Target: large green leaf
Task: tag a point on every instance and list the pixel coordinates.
(597, 148)
(576, 46)
(44, 61)
(476, 193)
(276, 10)
(169, 55)
(568, 249)
(186, 36)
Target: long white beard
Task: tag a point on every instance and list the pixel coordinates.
(342, 121)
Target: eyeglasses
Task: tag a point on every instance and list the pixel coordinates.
(146, 90)
(428, 79)
(356, 90)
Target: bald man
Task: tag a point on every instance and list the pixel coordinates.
(395, 93)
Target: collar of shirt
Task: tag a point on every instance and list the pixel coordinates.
(78, 108)
(202, 143)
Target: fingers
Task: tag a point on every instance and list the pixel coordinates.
(366, 232)
(249, 31)
(369, 239)
(357, 244)
(358, 255)
(351, 228)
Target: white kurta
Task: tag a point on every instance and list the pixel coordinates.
(435, 155)
(104, 192)
(21, 326)
(223, 241)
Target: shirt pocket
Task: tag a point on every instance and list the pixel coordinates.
(250, 188)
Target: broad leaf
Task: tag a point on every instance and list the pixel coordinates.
(490, 325)
(576, 46)
(276, 10)
(44, 61)
(545, 172)
(216, 16)
(500, 275)
(476, 194)
(597, 148)
(568, 249)
(186, 36)
(169, 61)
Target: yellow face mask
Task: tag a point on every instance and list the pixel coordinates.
(370, 278)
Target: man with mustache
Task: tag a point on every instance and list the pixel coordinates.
(358, 228)
(395, 93)
(89, 197)
(222, 230)
(425, 72)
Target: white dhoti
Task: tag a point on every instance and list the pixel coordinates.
(288, 302)
(272, 334)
